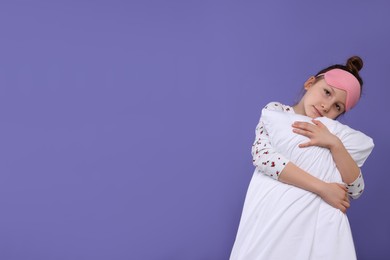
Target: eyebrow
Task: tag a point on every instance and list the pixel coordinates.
(333, 92)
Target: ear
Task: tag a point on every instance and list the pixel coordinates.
(309, 82)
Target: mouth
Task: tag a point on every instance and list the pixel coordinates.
(317, 111)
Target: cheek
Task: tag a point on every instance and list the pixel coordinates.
(320, 94)
(335, 115)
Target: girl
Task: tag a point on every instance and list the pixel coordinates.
(294, 210)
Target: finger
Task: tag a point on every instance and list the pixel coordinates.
(343, 187)
(301, 125)
(302, 132)
(320, 124)
(346, 204)
(305, 145)
(317, 122)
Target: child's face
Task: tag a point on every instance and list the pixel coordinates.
(321, 99)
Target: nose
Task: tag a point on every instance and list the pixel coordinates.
(324, 107)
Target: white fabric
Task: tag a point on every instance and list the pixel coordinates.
(278, 125)
(280, 221)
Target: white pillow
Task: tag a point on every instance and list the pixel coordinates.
(279, 127)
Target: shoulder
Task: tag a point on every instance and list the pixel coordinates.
(277, 106)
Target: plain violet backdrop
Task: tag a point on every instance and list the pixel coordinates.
(126, 126)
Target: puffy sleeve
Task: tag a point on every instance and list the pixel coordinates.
(265, 158)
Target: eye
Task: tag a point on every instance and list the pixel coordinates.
(327, 92)
(339, 107)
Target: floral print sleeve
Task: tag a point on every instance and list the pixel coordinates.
(356, 188)
(265, 158)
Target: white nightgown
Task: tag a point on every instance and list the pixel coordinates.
(281, 221)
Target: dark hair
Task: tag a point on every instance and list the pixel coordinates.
(354, 65)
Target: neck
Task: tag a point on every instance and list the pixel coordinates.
(298, 109)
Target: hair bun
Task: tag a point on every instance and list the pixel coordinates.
(354, 64)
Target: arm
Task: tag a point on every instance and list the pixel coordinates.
(287, 172)
(332, 193)
(345, 164)
(265, 158)
(268, 161)
(320, 136)
(349, 170)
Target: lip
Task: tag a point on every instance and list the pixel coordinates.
(317, 111)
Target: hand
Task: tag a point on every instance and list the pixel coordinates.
(318, 134)
(335, 194)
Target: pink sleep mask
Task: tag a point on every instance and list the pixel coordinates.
(341, 79)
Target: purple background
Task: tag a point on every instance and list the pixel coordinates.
(126, 126)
